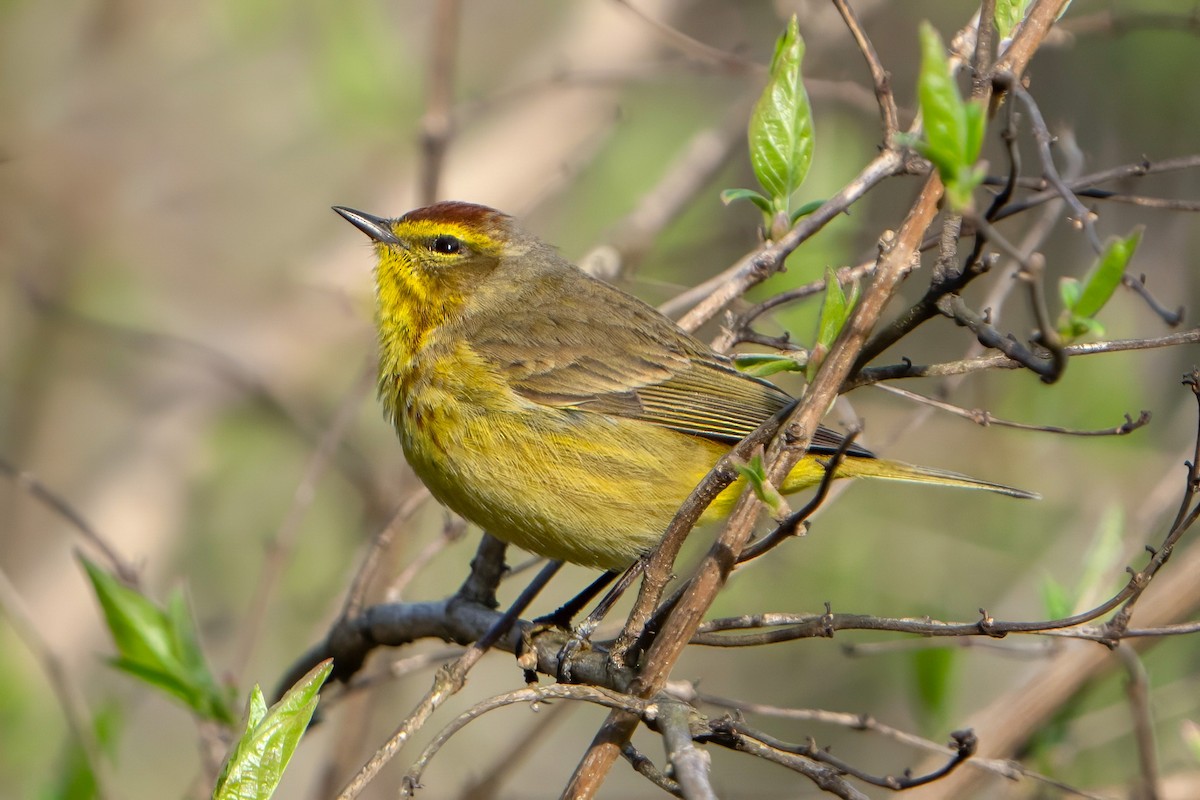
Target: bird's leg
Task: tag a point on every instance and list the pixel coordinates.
(567, 612)
(561, 619)
(586, 628)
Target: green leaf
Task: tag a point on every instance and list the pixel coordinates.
(933, 674)
(760, 365)
(1105, 275)
(1008, 16)
(1069, 290)
(160, 647)
(256, 762)
(730, 195)
(953, 129)
(756, 475)
(835, 310)
(1082, 300)
(781, 129)
(806, 209)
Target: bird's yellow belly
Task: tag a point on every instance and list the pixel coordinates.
(573, 485)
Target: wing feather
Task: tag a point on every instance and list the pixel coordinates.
(615, 355)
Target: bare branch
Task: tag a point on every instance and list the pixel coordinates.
(28, 483)
(448, 682)
(1138, 691)
(984, 418)
(690, 764)
(68, 693)
(879, 76)
(437, 123)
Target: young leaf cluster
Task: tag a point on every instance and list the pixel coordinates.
(953, 127)
(781, 138)
(159, 645)
(255, 764)
(1082, 300)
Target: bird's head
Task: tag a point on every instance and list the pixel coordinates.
(434, 260)
(442, 250)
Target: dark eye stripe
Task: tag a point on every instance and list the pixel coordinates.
(446, 245)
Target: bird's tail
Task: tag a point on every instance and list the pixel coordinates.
(809, 472)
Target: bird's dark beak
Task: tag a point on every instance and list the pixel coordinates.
(377, 228)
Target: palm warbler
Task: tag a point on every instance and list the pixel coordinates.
(552, 409)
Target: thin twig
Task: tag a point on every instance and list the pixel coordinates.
(645, 767)
(962, 748)
(827, 779)
(1010, 770)
(437, 123)
(453, 531)
(68, 693)
(380, 543)
(696, 164)
(1044, 140)
(691, 47)
(448, 682)
(1137, 689)
(984, 418)
(880, 78)
(533, 696)
(490, 782)
(787, 528)
(710, 297)
(995, 361)
(28, 482)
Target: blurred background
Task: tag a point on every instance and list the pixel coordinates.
(183, 320)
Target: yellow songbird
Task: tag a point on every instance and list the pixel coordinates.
(552, 409)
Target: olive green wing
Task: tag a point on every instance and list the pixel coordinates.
(604, 351)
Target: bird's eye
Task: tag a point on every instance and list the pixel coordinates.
(446, 245)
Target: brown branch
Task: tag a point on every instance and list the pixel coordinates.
(449, 681)
(984, 418)
(880, 78)
(645, 767)
(1010, 770)
(68, 693)
(690, 765)
(437, 123)
(691, 47)
(532, 695)
(968, 365)
(710, 297)
(1137, 689)
(28, 482)
(1039, 19)
(963, 746)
